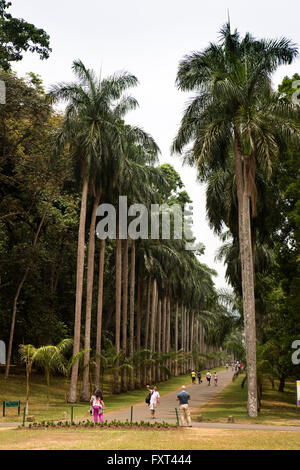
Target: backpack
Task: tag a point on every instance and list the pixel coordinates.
(148, 398)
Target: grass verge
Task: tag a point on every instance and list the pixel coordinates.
(183, 439)
(278, 408)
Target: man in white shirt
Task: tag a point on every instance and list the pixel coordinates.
(208, 377)
(154, 400)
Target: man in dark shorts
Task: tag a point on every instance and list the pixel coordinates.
(199, 377)
(184, 413)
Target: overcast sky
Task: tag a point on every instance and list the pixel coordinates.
(148, 39)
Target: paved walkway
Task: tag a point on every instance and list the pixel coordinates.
(200, 394)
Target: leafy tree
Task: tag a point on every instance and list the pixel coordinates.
(18, 36)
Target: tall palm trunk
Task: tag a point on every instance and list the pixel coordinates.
(125, 307)
(176, 339)
(116, 388)
(138, 326)
(243, 195)
(131, 312)
(79, 288)
(168, 338)
(147, 313)
(147, 325)
(192, 339)
(164, 331)
(99, 313)
(197, 337)
(182, 337)
(188, 337)
(85, 393)
(153, 314)
(158, 374)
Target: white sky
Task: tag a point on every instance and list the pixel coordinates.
(148, 39)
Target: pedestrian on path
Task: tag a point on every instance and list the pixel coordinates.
(98, 404)
(199, 377)
(208, 377)
(226, 366)
(215, 379)
(184, 413)
(154, 400)
(193, 375)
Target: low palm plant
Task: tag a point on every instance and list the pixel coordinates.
(27, 354)
(51, 358)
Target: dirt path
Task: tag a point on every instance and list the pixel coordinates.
(200, 393)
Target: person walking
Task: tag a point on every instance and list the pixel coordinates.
(199, 377)
(215, 378)
(193, 375)
(154, 400)
(97, 404)
(184, 413)
(208, 377)
(226, 366)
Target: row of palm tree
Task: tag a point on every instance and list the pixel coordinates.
(152, 277)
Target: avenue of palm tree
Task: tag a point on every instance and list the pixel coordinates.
(143, 309)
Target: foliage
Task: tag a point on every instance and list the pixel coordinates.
(18, 36)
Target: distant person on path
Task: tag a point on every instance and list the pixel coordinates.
(193, 374)
(184, 413)
(232, 366)
(98, 404)
(227, 366)
(208, 377)
(215, 379)
(154, 400)
(199, 377)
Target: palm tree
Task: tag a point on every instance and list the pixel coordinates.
(236, 110)
(51, 358)
(27, 353)
(89, 124)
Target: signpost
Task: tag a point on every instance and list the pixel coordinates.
(10, 404)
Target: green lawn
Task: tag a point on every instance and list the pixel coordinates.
(277, 408)
(177, 439)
